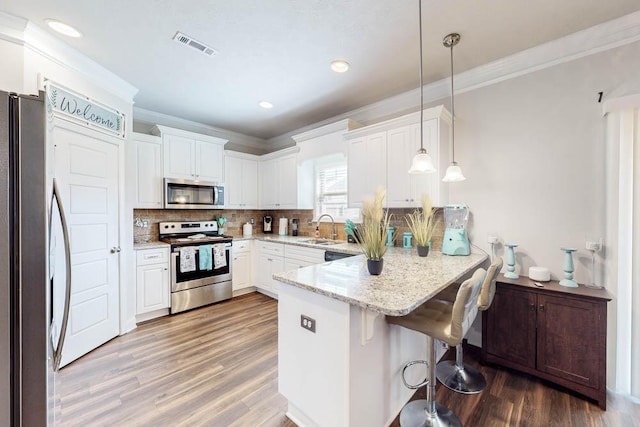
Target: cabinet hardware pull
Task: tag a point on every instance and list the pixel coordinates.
(541, 307)
(532, 306)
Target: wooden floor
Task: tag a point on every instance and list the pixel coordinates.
(217, 366)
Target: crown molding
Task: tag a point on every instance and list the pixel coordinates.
(608, 35)
(24, 33)
(280, 153)
(438, 112)
(12, 28)
(241, 155)
(142, 115)
(342, 125)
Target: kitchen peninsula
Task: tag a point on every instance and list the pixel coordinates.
(339, 361)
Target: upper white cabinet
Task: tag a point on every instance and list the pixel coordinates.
(241, 180)
(404, 189)
(144, 167)
(380, 156)
(188, 155)
(278, 174)
(366, 166)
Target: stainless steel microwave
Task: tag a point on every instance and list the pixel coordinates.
(187, 194)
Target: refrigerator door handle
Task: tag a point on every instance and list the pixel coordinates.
(57, 356)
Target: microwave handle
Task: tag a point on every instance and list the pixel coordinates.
(215, 195)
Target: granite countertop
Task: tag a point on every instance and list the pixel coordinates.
(150, 245)
(406, 282)
(342, 247)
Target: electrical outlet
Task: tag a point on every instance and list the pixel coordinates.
(492, 240)
(308, 323)
(593, 245)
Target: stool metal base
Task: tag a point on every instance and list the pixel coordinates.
(465, 379)
(414, 414)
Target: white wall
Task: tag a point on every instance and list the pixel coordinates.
(533, 151)
(11, 69)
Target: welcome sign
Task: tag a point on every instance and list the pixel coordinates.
(83, 110)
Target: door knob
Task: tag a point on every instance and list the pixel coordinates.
(115, 249)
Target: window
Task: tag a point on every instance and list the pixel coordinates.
(331, 190)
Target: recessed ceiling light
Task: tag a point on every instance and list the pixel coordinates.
(339, 65)
(63, 28)
(265, 104)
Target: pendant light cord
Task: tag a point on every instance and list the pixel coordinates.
(421, 85)
(453, 116)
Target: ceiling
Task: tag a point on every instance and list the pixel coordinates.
(280, 50)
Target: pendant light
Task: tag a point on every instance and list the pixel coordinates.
(422, 160)
(454, 173)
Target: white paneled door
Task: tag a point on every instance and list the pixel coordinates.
(87, 170)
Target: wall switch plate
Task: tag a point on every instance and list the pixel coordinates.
(308, 323)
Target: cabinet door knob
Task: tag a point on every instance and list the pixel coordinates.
(532, 306)
(541, 307)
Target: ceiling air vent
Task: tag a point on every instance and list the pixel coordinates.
(188, 41)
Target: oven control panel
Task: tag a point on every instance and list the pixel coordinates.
(188, 227)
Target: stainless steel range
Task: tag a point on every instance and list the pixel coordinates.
(195, 283)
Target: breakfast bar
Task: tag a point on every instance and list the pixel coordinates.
(339, 361)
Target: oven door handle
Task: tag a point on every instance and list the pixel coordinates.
(173, 268)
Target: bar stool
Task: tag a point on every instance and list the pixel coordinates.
(457, 375)
(446, 322)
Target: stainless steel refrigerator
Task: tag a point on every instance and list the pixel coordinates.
(33, 266)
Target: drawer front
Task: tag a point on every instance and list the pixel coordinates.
(276, 249)
(152, 256)
(242, 246)
(309, 255)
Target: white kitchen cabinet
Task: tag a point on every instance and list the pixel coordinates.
(405, 190)
(241, 181)
(152, 283)
(242, 267)
(380, 156)
(188, 155)
(144, 167)
(279, 182)
(300, 256)
(270, 261)
(366, 167)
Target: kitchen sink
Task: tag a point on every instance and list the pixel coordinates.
(322, 242)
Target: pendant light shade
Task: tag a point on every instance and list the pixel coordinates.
(454, 173)
(422, 163)
(422, 160)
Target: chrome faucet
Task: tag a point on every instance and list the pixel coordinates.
(333, 234)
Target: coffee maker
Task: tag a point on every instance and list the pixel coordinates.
(267, 224)
(294, 227)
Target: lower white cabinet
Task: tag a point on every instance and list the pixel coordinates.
(152, 283)
(270, 262)
(298, 257)
(241, 269)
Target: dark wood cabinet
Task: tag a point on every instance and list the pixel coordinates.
(555, 333)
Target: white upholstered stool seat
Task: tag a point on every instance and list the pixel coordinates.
(447, 322)
(457, 375)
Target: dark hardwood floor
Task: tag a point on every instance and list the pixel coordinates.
(217, 366)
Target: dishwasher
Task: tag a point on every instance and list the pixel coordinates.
(333, 256)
